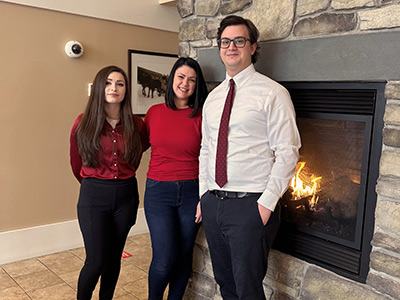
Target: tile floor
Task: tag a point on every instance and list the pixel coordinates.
(54, 277)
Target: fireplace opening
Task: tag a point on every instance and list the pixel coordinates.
(329, 181)
(328, 210)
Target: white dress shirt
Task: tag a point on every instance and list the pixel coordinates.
(263, 139)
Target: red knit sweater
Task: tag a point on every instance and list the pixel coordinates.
(175, 143)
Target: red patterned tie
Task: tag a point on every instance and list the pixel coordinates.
(222, 146)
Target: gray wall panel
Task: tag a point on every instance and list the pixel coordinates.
(372, 56)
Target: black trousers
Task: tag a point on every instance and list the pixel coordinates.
(239, 244)
(107, 210)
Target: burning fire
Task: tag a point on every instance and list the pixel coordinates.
(304, 186)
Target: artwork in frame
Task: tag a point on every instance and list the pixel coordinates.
(148, 75)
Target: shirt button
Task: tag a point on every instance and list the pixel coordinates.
(113, 131)
(115, 153)
(115, 177)
(115, 141)
(115, 165)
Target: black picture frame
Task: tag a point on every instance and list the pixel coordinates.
(148, 75)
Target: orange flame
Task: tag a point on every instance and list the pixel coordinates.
(305, 186)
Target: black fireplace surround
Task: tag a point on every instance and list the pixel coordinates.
(340, 124)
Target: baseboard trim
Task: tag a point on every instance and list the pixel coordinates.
(36, 241)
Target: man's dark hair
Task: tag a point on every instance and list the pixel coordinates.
(253, 31)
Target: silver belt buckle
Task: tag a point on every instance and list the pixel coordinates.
(224, 194)
(220, 194)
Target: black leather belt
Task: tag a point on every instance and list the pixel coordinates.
(227, 194)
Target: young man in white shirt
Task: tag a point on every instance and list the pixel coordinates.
(241, 214)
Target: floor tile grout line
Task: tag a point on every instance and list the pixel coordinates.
(13, 279)
(58, 276)
(27, 293)
(140, 266)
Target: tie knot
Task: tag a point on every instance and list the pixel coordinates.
(231, 82)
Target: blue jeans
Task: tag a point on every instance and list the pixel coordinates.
(170, 208)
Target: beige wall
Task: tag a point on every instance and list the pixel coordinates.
(42, 92)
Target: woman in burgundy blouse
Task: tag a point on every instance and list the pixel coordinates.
(106, 145)
(172, 189)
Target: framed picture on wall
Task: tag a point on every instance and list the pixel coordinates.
(148, 75)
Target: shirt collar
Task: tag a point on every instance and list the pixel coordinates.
(241, 77)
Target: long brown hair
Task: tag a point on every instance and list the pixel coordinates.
(89, 129)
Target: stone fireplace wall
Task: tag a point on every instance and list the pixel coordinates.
(310, 26)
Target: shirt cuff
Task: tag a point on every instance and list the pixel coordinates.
(268, 200)
(202, 188)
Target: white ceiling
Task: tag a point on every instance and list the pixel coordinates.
(158, 14)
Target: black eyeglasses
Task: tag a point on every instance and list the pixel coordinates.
(239, 42)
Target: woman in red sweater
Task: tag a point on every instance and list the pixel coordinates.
(105, 150)
(172, 190)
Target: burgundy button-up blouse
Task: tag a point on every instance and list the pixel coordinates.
(111, 162)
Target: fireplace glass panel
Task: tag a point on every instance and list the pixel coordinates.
(332, 153)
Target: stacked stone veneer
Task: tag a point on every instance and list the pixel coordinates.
(289, 277)
(284, 20)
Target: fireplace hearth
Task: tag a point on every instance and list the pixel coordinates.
(328, 211)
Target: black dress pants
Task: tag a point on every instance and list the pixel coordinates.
(107, 210)
(239, 244)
